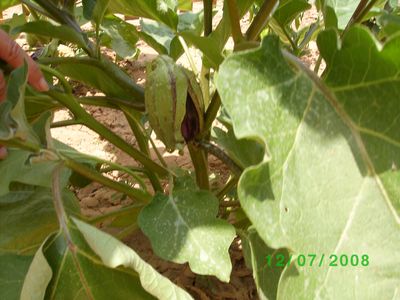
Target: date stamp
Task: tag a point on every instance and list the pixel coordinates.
(314, 260)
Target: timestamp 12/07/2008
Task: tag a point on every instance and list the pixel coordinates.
(311, 260)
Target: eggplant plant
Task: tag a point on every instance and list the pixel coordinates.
(313, 155)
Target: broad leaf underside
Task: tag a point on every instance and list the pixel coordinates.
(323, 187)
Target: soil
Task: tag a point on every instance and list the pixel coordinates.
(96, 200)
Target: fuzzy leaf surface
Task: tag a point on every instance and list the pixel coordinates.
(183, 228)
(319, 189)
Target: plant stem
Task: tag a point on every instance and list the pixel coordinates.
(211, 114)
(228, 186)
(200, 164)
(235, 21)
(59, 205)
(17, 143)
(318, 64)
(261, 20)
(365, 11)
(135, 208)
(221, 155)
(126, 231)
(357, 12)
(87, 120)
(110, 102)
(143, 145)
(286, 33)
(205, 71)
(134, 194)
(59, 76)
(158, 154)
(36, 8)
(65, 123)
(112, 165)
(208, 7)
(229, 204)
(136, 130)
(66, 18)
(31, 11)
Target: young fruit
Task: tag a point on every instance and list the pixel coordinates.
(174, 102)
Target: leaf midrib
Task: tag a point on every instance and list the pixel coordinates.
(331, 99)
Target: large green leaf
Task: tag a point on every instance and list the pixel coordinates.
(266, 275)
(66, 268)
(158, 10)
(366, 82)
(114, 253)
(45, 28)
(85, 263)
(195, 235)
(37, 277)
(319, 191)
(12, 273)
(27, 216)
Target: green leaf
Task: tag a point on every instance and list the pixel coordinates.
(4, 4)
(13, 122)
(195, 235)
(366, 82)
(15, 21)
(37, 278)
(95, 10)
(288, 10)
(165, 40)
(21, 167)
(123, 36)
(95, 74)
(209, 47)
(27, 216)
(163, 36)
(185, 4)
(12, 273)
(390, 23)
(193, 22)
(114, 254)
(158, 10)
(80, 274)
(343, 9)
(265, 276)
(318, 190)
(244, 152)
(213, 45)
(45, 28)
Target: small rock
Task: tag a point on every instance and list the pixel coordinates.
(90, 202)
